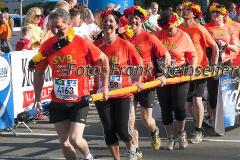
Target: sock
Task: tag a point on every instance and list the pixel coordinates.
(198, 129)
(132, 149)
(87, 156)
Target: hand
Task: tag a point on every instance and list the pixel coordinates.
(31, 65)
(221, 43)
(105, 93)
(163, 80)
(38, 105)
(139, 86)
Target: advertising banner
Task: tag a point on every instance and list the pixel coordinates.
(6, 97)
(22, 81)
(228, 106)
(101, 4)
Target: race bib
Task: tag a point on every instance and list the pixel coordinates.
(115, 81)
(66, 89)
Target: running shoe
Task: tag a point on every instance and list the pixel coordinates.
(196, 137)
(170, 144)
(156, 141)
(139, 154)
(182, 138)
(131, 155)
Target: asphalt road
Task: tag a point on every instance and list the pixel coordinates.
(42, 143)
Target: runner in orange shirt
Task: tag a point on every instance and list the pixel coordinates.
(227, 41)
(236, 26)
(68, 56)
(151, 50)
(172, 98)
(114, 113)
(201, 40)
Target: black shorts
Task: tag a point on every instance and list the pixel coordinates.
(145, 98)
(75, 112)
(196, 89)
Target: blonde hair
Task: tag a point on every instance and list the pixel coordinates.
(26, 30)
(31, 15)
(63, 4)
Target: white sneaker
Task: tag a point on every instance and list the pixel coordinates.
(182, 138)
(131, 155)
(170, 144)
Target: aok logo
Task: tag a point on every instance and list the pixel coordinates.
(4, 73)
(65, 59)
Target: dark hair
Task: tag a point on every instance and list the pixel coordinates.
(117, 15)
(139, 14)
(165, 17)
(74, 12)
(5, 10)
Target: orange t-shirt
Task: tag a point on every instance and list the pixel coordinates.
(149, 47)
(236, 27)
(5, 31)
(225, 33)
(121, 53)
(180, 46)
(68, 64)
(201, 40)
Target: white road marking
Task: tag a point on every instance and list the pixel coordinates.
(100, 136)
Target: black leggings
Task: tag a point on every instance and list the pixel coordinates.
(114, 115)
(172, 98)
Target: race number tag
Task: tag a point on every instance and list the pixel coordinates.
(115, 81)
(66, 89)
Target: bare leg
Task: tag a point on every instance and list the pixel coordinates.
(148, 120)
(181, 126)
(169, 130)
(76, 137)
(132, 120)
(62, 129)
(114, 149)
(199, 111)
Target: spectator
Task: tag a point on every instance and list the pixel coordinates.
(5, 33)
(40, 24)
(80, 28)
(10, 20)
(232, 11)
(32, 19)
(72, 3)
(154, 16)
(179, 11)
(154, 13)
(25, 42)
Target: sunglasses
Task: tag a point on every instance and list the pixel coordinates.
(38, 16)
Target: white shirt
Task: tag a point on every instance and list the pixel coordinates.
(82, 31)
(154, 18)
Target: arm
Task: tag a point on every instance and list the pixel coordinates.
(106, 71)
(38, 84)
(215, 53)
(210, 42)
